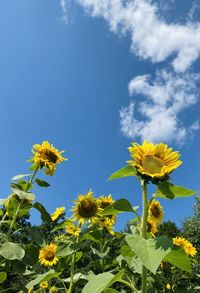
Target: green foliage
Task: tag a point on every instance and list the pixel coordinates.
(127, 171)
(170, 191)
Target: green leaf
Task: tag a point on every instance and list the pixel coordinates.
(18, 266)
(111, 290)
(179, 259)
(12, 206)
(11, 251)
(3, 276)
(59, 226)
(101, 282)
(126, 171)
(42, 183)
(99, 253)
(64, 250)
(151, 252)
(44, 214)
(119, 206)
(31, 254)
(36, 236)
(170, 191)
(23, 195)
(17, 177)
(43, 278)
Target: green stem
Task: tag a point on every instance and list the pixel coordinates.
(20, 203)
(144, 229)
(71, 285)
(131, 286)
(63, 283)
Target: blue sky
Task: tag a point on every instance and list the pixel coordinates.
(90, 78)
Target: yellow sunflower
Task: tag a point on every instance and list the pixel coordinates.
(47, 255)
(105, 201)
(155, 211)
(47, 157)
(73, 229)
(107, 223)
(30, 290)
(86, 208)
(185, 245)
(53, 289)
(152, 226)
(58, 212)
(44, 285)
(154, 161)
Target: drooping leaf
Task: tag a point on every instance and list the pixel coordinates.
(11, 251)
(151, 252)
(119, 206)
(43, 212)
(36, 236)
(126, 171)
(43, 278)
(31, 254)
(170, 191)
(23, 195)
(42, 183)
(179, 259)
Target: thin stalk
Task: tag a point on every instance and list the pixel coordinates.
(144, 229)
(72, 270)
(20, 203)
(131, 286)
(63, 283)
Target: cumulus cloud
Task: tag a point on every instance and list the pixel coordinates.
(151, 37)
(157, 116)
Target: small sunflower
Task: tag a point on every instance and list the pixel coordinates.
(185, 245)
(53, 289)
(44, 285)
(154, 161)
(47, 157)
(73, 229)
(61, 238)
(107, 223)
(86, 208)
(58, 212)
(155, 211)
(47, 255)
(152, 226)
(105, 201)
(168, 286)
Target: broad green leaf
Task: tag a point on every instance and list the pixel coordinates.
(25, 209)
(99, 253)
(18, 266)
(42, 183)
(119, 206)
(23, 195)
(17, 177)
(11, 251)
(44, 214)
(170, 191)
(12, 206)
(36, 236)
(110, 290)
(179, 259)
(94, 235)
(151, 252)
(101, 282)
(31, 254)
(128, 255)
(64, 250)
(43, 278)
(3, 276)
(126, 171)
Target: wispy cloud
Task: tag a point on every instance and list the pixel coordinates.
(159, 106)
(158, 115)
(63, 5)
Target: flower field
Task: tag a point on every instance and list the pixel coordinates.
(85, 252)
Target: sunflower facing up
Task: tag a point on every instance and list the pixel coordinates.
(47, 157)
(154, 161)
(86, 208)
(185, 245)
(58, 212)
(47, 255)
(155, 211)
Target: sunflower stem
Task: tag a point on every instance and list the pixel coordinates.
(14, 219)
(144, 228)
(71, 285)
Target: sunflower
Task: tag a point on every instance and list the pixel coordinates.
(154, 161)
(44, 285)
(47, 157)
(53, 289)
(58, 212)
(155, 211)
(61, 238)
(86, 208)
(185, 245)
(105, 201)
(73, 229)
(47, 255)
(109, 220)
(152, 226)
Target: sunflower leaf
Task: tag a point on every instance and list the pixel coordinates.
(42, 278)
(179, 259)
(171, 191)
(119, 206)
(44, 214)
(126, 171)
(42, 183)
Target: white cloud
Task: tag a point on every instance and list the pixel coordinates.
(63, 5)
(152, 38)
(157, 117)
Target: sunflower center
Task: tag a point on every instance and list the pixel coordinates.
(152, 164)
(155, 211)
(49, 155)
(49, 255)
(87, 208)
